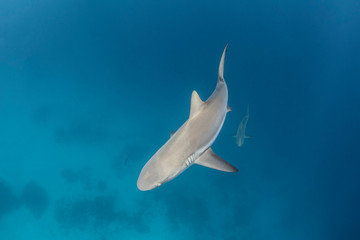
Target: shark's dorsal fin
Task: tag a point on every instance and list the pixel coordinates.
(211, 160)
(196, 103)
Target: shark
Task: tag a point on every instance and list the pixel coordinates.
(240, 134)
(191, 143)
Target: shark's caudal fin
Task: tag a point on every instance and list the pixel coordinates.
(221, 66)
(196, 103)
(211, 160)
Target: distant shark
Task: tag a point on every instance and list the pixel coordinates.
(191, 142)
(240, 134)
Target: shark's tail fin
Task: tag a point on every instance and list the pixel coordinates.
(221, 66)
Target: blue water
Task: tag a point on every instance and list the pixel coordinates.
(89, 90)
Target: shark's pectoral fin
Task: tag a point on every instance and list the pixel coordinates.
(196, 103)
(211, 160)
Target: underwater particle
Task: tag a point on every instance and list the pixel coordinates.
(35, 198)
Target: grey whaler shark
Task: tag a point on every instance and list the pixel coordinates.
(240, 134)
(191, 142)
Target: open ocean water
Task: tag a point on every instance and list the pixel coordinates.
(90, 90)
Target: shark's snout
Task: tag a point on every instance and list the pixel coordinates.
(147, 181)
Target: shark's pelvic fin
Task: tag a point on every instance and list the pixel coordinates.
(211, 160)
(229, 108)
(221, 66)
(196, 103)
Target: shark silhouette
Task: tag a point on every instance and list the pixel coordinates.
(240, 134)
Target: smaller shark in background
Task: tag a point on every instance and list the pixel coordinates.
(240, 134)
